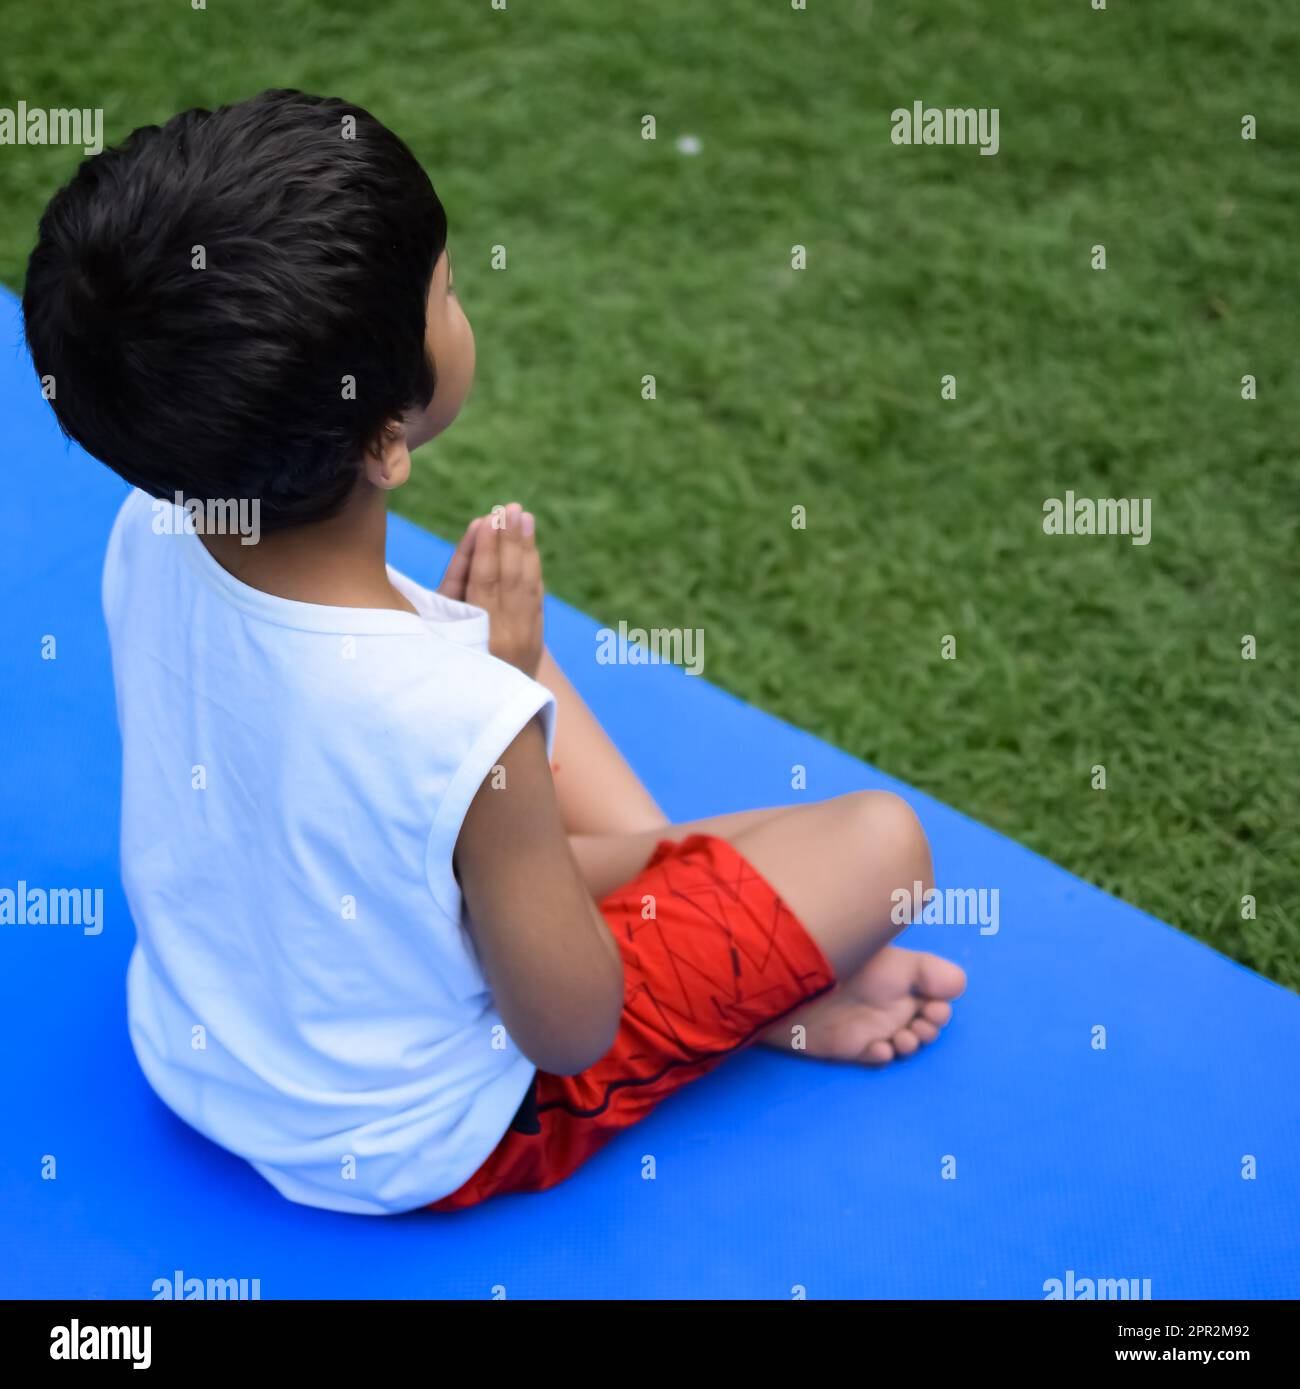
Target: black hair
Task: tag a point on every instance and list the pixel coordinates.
(319, 232)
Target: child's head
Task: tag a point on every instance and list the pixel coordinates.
(252, 302)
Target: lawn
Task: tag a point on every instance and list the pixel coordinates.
(819, 387)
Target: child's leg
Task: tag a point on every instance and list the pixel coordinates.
(837, 865)
(742, 931)
(835, 862)
(608, 861)
(598, 792)
(603, 804)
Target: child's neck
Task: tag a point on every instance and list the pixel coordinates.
(338, 563)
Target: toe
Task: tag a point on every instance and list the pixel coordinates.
(936, 1011)
(939, 978)
(925, 1031)
(905, 1041)
(878, 1053)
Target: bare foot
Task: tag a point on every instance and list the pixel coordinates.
(892, 1006)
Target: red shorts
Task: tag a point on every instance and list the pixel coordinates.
(720, 959)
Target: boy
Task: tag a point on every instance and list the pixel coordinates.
(388, 874)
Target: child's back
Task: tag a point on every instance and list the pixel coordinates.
(294, 779)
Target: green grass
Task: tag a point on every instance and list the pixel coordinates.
(820, 387)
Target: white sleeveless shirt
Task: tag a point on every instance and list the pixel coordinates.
(294, 777)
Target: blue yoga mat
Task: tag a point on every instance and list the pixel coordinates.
(1010, 1153)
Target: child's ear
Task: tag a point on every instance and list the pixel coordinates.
(388, 459)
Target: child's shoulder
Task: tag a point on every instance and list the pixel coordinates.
(407, 673)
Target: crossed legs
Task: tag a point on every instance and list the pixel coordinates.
(836, 863)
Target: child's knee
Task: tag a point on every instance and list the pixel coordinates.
(891, 840)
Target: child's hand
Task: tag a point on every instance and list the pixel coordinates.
(457, 575)
(505, 579)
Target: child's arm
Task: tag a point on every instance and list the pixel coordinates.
(598, 792)
(554, 969)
